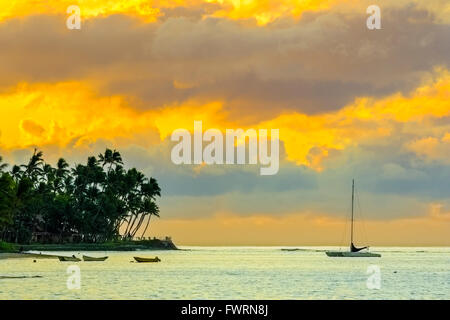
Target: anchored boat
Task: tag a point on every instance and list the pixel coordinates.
(67, 259)
(354, 251)
(87, 258)
(139, 259)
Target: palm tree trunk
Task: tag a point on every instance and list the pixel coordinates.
(138, 225)
(127, 233)
(148, 222)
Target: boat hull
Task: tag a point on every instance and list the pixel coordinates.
(87, 258)
(139, 259)
(69, 259)
(347, 254)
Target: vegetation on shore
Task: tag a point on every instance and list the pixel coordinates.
(123, 245)
(96, 203)
(7, 247)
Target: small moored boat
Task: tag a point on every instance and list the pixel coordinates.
(139, 259)
(66, 259)
(87, 258)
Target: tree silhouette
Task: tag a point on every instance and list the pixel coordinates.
(95, 202)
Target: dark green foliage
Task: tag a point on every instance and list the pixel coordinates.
(96, 202)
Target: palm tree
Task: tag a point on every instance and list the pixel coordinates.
(16, 172)
(2, 165)
(152, 210)
(148, 190)
(110, 157)
(151, 190)
(61, 173)
(33, 168)
(7, 188)
(61, 168)
(92, 200)
(48, 174)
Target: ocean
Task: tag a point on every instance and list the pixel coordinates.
(234, 273)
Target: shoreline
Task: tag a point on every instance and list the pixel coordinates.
(19, 250)
(24, 255)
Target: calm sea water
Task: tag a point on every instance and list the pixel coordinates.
(236, 273)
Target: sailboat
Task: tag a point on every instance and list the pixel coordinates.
(354, 251)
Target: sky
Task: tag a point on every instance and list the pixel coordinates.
(349, 102)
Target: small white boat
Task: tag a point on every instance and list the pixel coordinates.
(354, 252)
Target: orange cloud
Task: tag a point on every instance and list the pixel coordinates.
(32, 128)
(309, 139)
(266, 11)
(263, 11)
(63, 113)
(74, 113)
(432, 148)
(88, 8)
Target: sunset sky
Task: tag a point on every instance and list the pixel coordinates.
(349, 102)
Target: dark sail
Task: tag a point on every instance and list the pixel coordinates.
(355, 249)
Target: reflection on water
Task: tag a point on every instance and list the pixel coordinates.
(235, 273)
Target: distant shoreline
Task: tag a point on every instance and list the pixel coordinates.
(155, 244)
(17, 255)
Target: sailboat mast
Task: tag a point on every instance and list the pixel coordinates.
(353, 197)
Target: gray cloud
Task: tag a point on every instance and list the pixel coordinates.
(318, 63)
(391, 182)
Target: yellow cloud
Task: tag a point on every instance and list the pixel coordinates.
(75, 113)
(183, 116)
(263, 11)
(432, 148)
(308, 139)
(57, 114)
(32, 128)
(88, 8)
